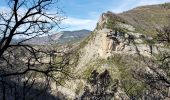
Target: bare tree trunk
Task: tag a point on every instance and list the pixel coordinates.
(3, 91)
(15, 93)
(24, 94)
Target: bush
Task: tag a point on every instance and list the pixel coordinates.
(166, 5)
(110, 24)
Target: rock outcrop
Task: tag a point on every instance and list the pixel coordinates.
(119, 38)
(114, 36)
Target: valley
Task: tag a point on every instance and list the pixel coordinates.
(125, 57)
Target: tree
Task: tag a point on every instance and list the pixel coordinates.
(100, 84)
(93, 79)
(158, 78)
(164, 34)
(28, 18)
(22, 64)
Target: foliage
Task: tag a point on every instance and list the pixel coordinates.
(132, 86)
(110, 24)
(31, 68)
(147, 19)
(100, 84)
(87, 72)
(163, 35)
(150, 42)
(166, 5)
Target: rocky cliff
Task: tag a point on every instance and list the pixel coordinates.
(115, 36)
(130, 56)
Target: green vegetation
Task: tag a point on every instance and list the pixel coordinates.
(113, 20)
(102, 87)
(86, 40)
(121, 66)
(149, 42)
(166, 5)
(87, 72)
(147, 19)
(122, 30)
(110, 24)
(131, 85)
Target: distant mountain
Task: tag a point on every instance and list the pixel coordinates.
(73, 36)
(61, 37)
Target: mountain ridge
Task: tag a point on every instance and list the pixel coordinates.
(126, 52)
(148, 18)
(62, 37)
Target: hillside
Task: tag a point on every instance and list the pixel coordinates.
(123, 51)
(147, 19)
(125, 57)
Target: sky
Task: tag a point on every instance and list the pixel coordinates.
(84, 14)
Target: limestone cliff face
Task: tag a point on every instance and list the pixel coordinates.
(114, 36)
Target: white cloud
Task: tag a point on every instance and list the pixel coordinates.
(76, 23)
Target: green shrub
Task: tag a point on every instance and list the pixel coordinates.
(149, 42)
(110, 24)
(87, 72)
(131, 85)
(166, 5)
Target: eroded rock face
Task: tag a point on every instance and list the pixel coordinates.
(109, 41)
(157, 79)
(121, 39)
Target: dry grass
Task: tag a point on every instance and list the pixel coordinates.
(147, 18)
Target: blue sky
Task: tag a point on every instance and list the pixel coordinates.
(84, 14)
